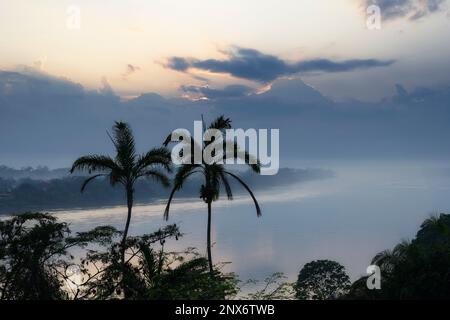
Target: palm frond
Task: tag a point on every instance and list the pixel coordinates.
(155, 157)
(85, 183)
(117, 176)
(388, 259)
(94, 163)
(182, 174)
(167, 140)
(226, 185)
(158, 176)
(258, 209)
(194, 146)
(169, 201)
(221, 123)
(125, 145)
(382, 257)
(433, 220)
(248, 159)
(436, 222)
(401, 249)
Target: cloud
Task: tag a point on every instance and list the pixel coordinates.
(231, 91)
(106, 88)
(342, 66)
(27, 81)
(130, 69)
(253, 65)
(51, 120)
(178, 64)
(47, 119)
(410, 9)
(421, 96)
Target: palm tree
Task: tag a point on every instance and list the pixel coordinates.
(213, 176)
(126, 168)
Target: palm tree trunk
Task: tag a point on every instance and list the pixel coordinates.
(127, 225)
(209, 239)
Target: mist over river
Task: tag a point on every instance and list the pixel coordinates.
(365, 208)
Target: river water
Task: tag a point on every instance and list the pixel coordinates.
(365, 208)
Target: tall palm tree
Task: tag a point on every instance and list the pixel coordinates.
(126, 168)
(213, 176)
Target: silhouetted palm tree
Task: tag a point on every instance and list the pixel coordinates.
(126, 168)
(213, 175)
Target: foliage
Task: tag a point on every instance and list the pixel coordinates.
(415, 270)
(274, 287)
(31, 246)
(322, 280)
(36, 263)
(150, 273)
(192, 280)
(214, 174)
(126, 168)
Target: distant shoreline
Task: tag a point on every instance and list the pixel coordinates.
(26, 194)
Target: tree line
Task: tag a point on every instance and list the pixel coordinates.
(40, 259)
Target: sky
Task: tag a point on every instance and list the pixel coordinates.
(129, 45)
(336, 87)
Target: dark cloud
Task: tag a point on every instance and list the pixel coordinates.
(421, 96)
(342, 66)
(178, 64)
(232, 91)
(246, 64)
(47, 119)
(253, 65)
(410, 9)
(50, 120)
(30, 81)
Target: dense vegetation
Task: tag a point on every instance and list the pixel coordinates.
(41, 259)
(419, 269)
(37, 262)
